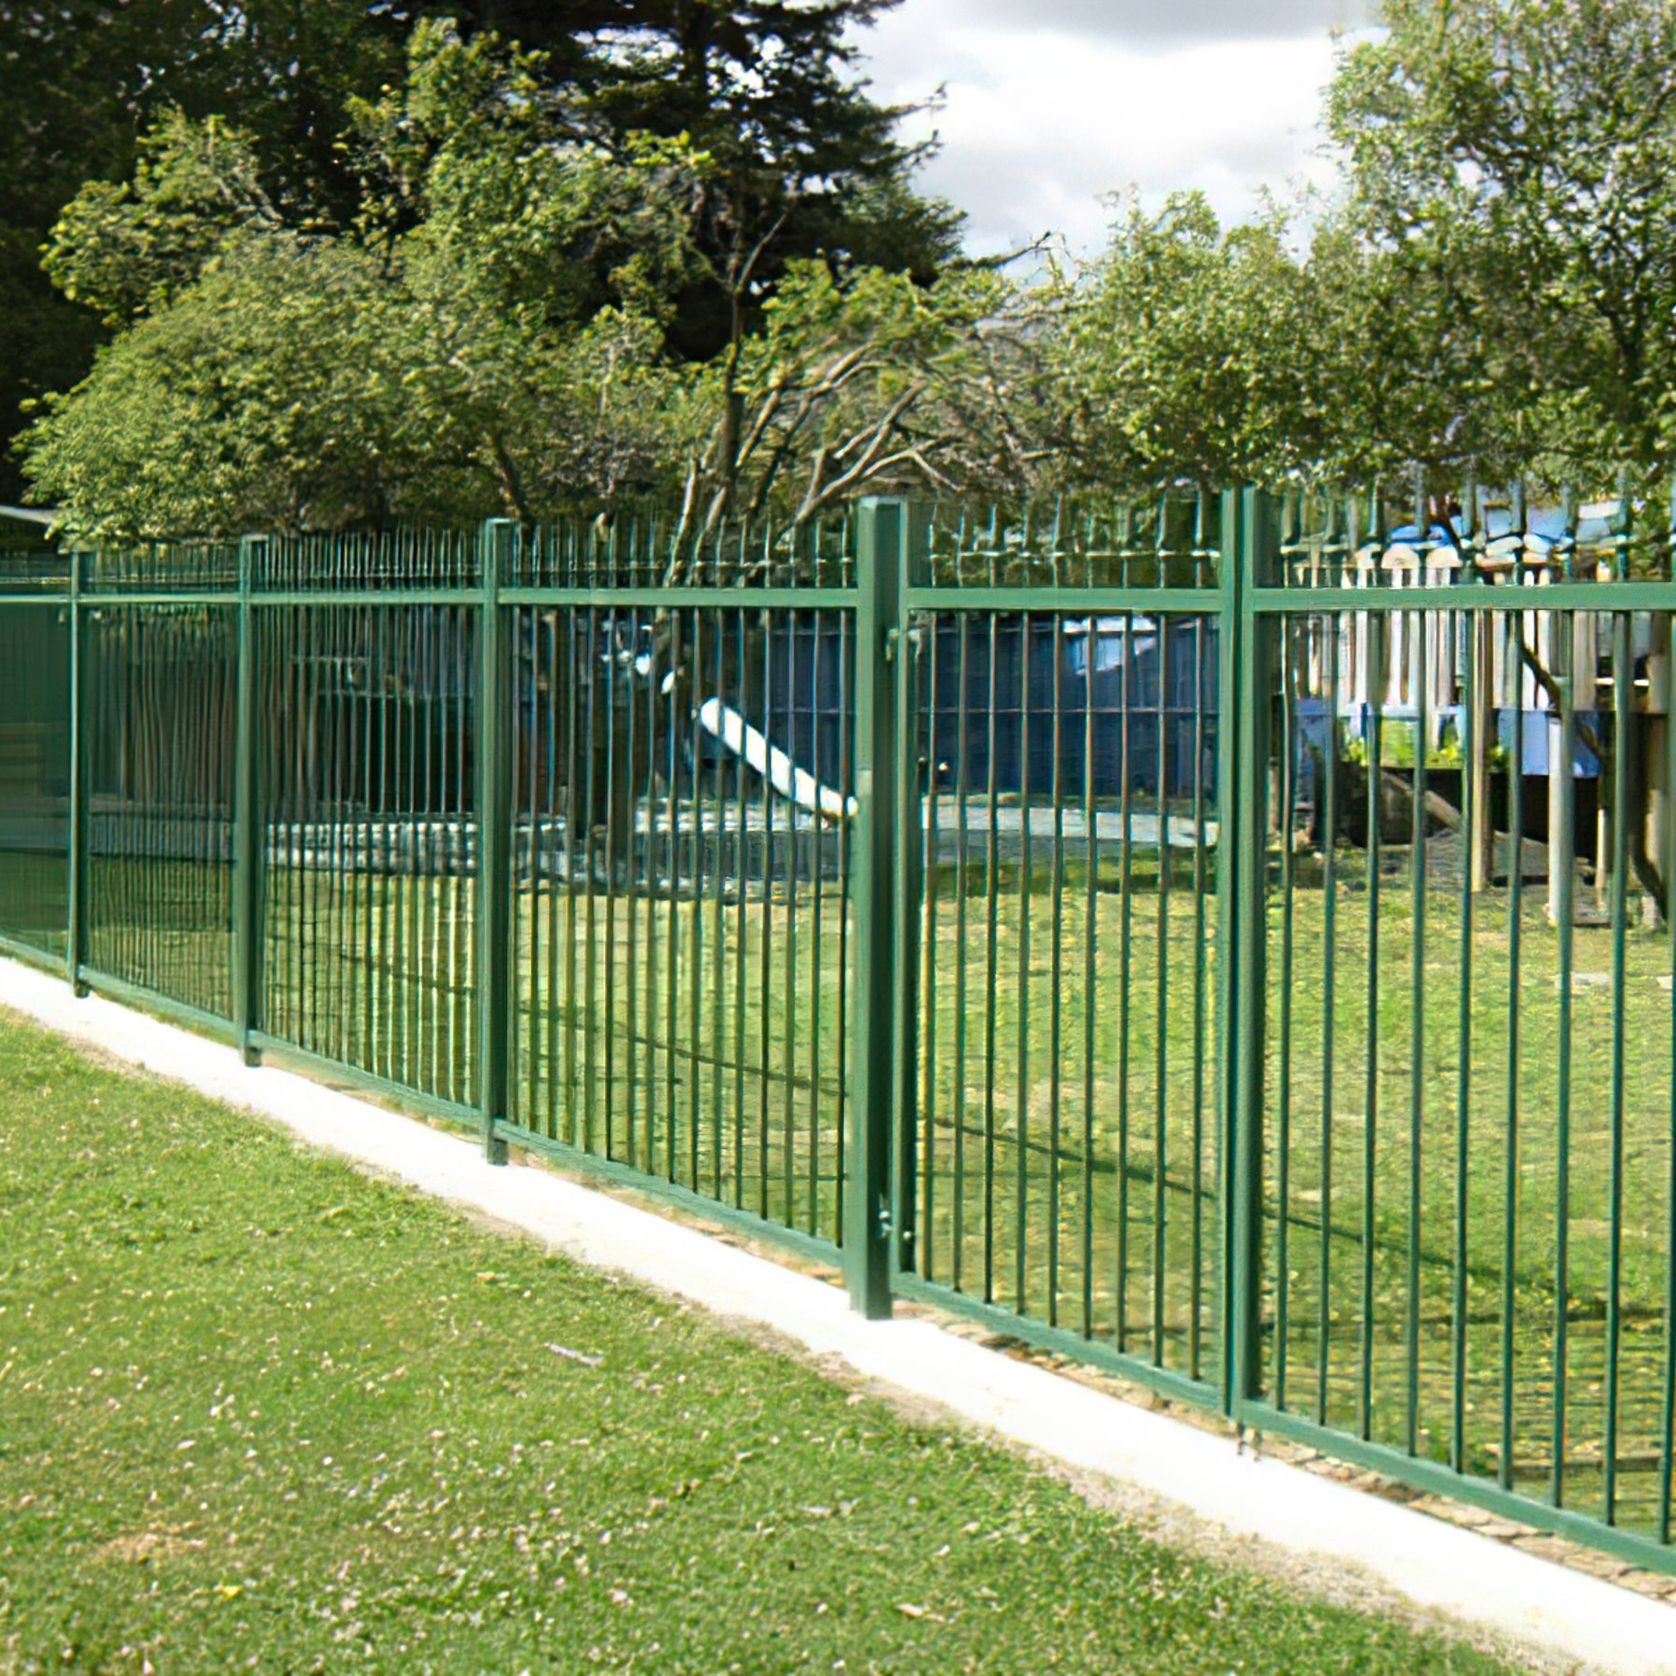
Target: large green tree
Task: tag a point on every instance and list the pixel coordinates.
(800, 161)
(1512, 161)
(489, 331)
(82, 80)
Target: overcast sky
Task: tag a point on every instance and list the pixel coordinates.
(1051, 103)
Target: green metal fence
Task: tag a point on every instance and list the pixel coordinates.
(1223, 940)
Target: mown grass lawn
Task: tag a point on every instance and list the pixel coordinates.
(257, 1408)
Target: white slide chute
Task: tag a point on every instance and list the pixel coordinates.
(723, 723)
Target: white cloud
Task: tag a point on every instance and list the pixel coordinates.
(1139, 22)
(1051, 104)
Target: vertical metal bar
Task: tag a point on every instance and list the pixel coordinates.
(527, 903)
(380, 1055)
(1161, 1019)
(1416, 1025)
(544, 652)
(1283, 1090)
(568, 676)
(882, 544)
(1622, 743)
(1512, 1176)
(741, 970)
(1253, 690)
(765, 942)
(846, 757)
(907, 892)
(1125, 962)
(1196, 1231)
(80, 779)
(626, 658)
(1329, 1012)
(654, 1026)
(494, 824)
(962, 862)
(788, 980)
(1667, 1401)
(925, 1211)
(1090, 930)
(1021, 1128)
(247, 853)
(678, 660)
(718, 938)
(1474, 809)
(583, 1131)
(1378, 624)
(1560, 845)
(1229, 625)
(817, 932)
(1056, 965)
(992, 946)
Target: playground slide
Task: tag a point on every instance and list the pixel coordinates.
(723, 723)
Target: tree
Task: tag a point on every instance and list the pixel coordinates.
(489, 335)
(1513, 160)
(1184, 354)
(802, 162)
(80, 80)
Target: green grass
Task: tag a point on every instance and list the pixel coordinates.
(255, 1407)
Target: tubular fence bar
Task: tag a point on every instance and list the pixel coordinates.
(247, 845)
(1248, 556)
(75, 951)
(876, 1097)
(1131, 926)
(495, 701)
(904, 647)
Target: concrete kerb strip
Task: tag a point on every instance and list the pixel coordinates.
(1438, 1566)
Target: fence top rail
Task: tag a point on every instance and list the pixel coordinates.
(1052, 547)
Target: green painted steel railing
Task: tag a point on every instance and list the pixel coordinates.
(1222, 939)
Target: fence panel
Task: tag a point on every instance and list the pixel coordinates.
(35, 776)
(159, 695)
(1468, 1192)
(367, 787)
(1069, 1137)
(682, 793)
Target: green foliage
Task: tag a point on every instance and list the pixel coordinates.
(1181, 356)
(80, 79)
(1512, 162)
(270, 394)
(1493, 288)
(127, 247)
(279, 377)
(673, 249)
(664, 161)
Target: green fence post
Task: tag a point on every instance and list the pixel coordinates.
(75, 951)
(1257, 691)
(1230, 639)
(907, 886)
(247, 849)
(494, 842)
(1247, 689)
(880, 547)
